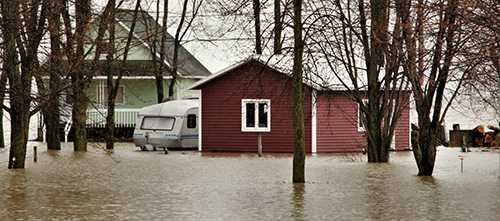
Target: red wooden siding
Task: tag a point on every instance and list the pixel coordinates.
(221, 110)
(402, 131)
(337, 125)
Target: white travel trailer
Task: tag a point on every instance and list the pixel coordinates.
(169, 124)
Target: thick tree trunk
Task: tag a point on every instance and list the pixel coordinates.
(79, 80)
(20, 103)
(299, 154)
(424, 148)
(110, 125)
(52, 112)
(378, 151)
(80, 106)
(19, 85)
(19, 133)
(51, 119)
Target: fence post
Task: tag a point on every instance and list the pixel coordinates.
(260, 145)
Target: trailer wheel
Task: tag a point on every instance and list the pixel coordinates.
(144, 148)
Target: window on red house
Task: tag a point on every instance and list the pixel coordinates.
(255, 115)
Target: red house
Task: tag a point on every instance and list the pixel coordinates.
(252, 98)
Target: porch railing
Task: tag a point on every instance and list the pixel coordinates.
(123, 117)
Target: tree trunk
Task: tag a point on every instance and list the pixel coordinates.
(434, 97)
(20, 100)
(177, 44)
(19, 133)
(378, 150)
(110, 125)
(51, 120)
(19, 82)
(163, 54)
(112, 89)
(110, 117)
(256, 14)
(80, 105)
(52, 112)
(299, 153)
(159, 87)
(79, 80)
(277, 27)
(3, 86)
(425, 151)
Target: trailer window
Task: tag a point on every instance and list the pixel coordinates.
(191, 121)
(256, 115)
(158, 123)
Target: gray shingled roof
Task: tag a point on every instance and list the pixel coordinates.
(189, 66)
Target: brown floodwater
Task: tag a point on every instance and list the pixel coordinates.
(129, 184)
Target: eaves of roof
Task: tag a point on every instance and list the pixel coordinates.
(268, 62)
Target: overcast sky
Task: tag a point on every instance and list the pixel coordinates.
(214, 56)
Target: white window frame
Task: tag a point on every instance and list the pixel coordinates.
(256, 128)
(102, 98)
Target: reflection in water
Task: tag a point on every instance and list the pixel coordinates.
(430, 188)
(16, 194)
(298, 201)
(376, 190)
(128, 184)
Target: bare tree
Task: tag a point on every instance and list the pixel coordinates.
(299, 153)
(80, 75)
(159, 41)
(429, 94)
(482, 19)
(81, 72)
(110, 22)
(113, 88)
(179, 36)
(359, 52)
(51, 112)
(23, 25)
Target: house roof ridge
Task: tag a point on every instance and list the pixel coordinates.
(262, 59)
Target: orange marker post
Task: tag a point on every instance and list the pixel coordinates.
(462, 164)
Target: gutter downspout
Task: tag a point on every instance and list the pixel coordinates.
(313, 122)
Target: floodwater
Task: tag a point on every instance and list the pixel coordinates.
(129, 184)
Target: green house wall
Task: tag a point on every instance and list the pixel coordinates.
(142, 92)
